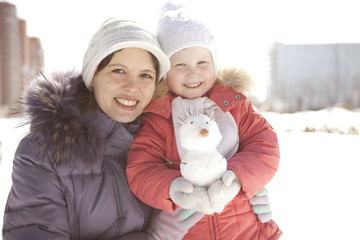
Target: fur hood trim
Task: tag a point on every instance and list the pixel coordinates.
(237, 79)
(232, 77)
(51, 103)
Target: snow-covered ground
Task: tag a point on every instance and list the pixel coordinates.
(314, 193)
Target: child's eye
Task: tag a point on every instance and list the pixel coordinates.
(180, 65)
(202, 62)
(144, 75)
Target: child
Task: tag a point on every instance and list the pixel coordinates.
(248, 141)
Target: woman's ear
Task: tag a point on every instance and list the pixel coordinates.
(92, 85)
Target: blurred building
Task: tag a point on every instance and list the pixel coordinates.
(311, 77)
(20, 56)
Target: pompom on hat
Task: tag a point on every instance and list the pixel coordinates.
(178, 29)
(115, 34)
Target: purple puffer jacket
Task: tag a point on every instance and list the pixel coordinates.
(69, 172)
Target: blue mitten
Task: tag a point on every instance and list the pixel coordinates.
(221, 192)
(172, 226)
(261, 205)
(184, 194)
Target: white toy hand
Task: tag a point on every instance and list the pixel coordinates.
(221, 192)
(187, 196)
(228, 177)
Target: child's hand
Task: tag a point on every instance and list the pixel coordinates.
(187, 196)
(223, 191)
(228, 177)
(261, 205)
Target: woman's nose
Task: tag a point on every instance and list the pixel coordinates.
(131, 83)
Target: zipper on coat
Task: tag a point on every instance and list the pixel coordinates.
(116, 194)
(213, 224)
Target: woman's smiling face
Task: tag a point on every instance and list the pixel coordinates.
(126, 85)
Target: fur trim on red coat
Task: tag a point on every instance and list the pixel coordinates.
(237, 79)
(232, 77)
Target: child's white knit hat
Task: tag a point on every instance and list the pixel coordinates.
(115, 34)
(178, 29)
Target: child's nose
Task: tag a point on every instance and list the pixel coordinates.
(192, 71)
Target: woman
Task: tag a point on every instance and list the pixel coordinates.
(69, 172)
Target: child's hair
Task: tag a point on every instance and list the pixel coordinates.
(178, 29)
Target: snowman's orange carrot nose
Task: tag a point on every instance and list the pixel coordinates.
(204, 132)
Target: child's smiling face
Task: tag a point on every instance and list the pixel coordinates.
(192, 72)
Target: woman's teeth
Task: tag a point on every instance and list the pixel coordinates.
(126, 102)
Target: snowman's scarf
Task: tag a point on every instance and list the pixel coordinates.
(183, 108)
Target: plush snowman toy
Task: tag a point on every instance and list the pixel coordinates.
(202, 163)
(204, 167)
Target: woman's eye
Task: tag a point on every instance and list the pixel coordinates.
(202, 62)
(180, 65)
(118, 70)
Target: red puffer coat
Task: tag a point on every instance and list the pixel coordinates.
(254, 164)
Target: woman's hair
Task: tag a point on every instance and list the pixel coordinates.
(88, 103)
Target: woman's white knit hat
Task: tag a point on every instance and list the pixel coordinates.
(178, 29)
(116, 34)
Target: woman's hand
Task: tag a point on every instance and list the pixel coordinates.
(261, 205)
(172, 226)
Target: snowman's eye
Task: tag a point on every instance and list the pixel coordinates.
(191, 122)
(207, 122)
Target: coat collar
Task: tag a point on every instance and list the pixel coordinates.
(51, 105)
(223, 96)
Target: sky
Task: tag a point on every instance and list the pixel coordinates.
(244, 30)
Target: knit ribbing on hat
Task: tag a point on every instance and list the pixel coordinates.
(117, 34)
(178, 30)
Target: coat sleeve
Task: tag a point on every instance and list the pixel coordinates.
(136, 236)
(148, 173)
(35, 207)
(258, 156)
